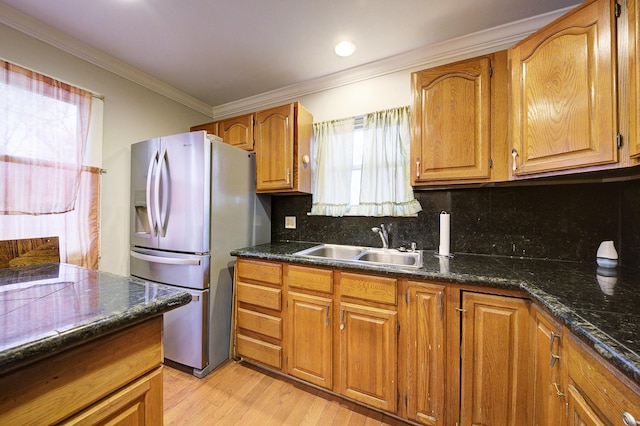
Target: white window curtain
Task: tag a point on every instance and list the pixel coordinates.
(385, 189)
(333, 158)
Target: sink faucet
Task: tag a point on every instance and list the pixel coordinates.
(384, 235)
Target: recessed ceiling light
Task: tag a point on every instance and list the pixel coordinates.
(345, 48)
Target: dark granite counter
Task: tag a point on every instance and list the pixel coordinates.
(49, 307)
(604, 311)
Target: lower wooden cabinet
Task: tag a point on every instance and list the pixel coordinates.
(426, 353)
(495, 352)
(548, 370)
(434, 353)
(310, 338)
(368, 355)
(115, 379)
(597, 394)
(132, 405)
(258, 312)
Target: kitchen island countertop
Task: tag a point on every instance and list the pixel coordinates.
(51, 307)
(603, 310)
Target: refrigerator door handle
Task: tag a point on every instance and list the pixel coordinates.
(150, 216)
(165, 260)
(161, 226)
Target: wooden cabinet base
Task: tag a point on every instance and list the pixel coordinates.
(86, 377)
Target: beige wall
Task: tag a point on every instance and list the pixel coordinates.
(131, 113)
(374, 94)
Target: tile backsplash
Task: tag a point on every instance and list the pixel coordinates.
(562, 222)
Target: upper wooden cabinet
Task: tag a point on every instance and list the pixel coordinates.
(634, 76)
(207, 127)
(283, 149)
(563, 94)
(237, 131)
(459, 122)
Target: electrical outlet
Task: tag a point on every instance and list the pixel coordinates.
(290, 222)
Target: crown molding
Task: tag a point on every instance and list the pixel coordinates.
(24, 23)
(470, 45)
(463, 47)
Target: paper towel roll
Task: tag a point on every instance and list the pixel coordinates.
(445, 222)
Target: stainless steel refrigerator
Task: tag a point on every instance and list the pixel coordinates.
(193, 200)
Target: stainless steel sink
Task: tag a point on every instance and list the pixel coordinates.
(392, 258)
(364, 255)
(332, 251)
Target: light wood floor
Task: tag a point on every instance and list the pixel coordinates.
(240, 394)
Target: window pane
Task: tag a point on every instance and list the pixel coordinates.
(36, 126)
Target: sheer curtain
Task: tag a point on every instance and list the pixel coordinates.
(43, 133)
(45, 190)
(385, 189)
(333, 156)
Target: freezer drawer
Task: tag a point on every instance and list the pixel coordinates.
(186, 331)
(183, 270)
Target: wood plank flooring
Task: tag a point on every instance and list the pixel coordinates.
(240, 394)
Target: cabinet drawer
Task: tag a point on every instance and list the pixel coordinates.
(265, 272)
(375, 289)
(260, 323)
(260, 296)
(310, 278)
(600, 386)
(260, 351)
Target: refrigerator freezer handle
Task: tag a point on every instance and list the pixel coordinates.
(150, 216)
(161, 161)
(165, 260)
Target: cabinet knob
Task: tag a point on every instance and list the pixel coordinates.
(629, 420)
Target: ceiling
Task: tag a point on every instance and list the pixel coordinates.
(222, 51)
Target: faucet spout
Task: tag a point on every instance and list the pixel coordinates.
(384, 235)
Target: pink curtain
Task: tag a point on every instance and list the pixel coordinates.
(44, 125)
(44, 188)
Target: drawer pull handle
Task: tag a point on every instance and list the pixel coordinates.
(629, 420)
(554, 357)
(514, 156)
(342, 319)
(326, 321)
(558, 390)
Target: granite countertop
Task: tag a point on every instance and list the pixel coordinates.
(49, 307)
(604, 311)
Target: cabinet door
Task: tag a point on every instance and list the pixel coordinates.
(495, 353)
(309, 342)
(426, 353)
(238, 131)
(274, 134)
(563, 95)
(368, 355)
(634, 77)
(579, 412)
(451, 122)
(548, 386)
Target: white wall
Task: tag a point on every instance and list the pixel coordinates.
(131, 113)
